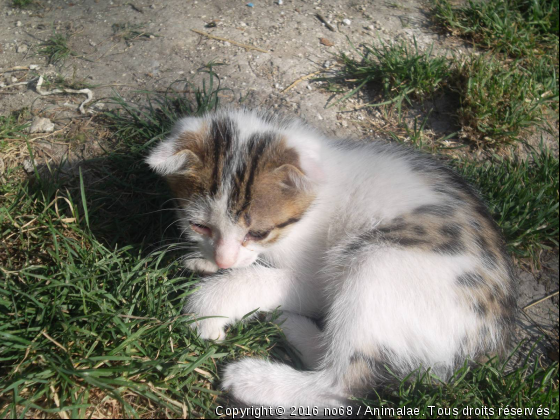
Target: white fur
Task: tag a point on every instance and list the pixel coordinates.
(402, 300)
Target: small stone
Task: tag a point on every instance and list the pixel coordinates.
(326, 42)
(34, 67)
(21, 48)
(14, 79)
(28, 166)
(320, 117)
(18, 23)
(152, 6)
(327, 64)
(93, 44)
(347, 22)
(41, 125)
(280, 2)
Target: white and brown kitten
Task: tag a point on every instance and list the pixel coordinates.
(394, 251)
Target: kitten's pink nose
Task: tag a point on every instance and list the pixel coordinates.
(226, 253)
(224, 263)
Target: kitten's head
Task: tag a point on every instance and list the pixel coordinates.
(242, 181)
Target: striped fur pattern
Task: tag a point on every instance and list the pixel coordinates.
(395, 253)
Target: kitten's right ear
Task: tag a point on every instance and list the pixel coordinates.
(175, 154)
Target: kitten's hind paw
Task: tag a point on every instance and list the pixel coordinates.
(245, 380)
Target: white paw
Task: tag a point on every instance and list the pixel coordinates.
(210, 328)
(201, 266)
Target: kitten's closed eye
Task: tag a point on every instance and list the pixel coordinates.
(256, 235)
(200, 228)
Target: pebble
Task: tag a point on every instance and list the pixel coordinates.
(18, 23)
(34, 67)
(41, 125)
(347, 22)
(28, 166)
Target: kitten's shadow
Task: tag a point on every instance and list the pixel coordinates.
(118, 199)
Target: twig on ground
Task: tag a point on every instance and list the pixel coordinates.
(327, 24)
(540, 300)
(87, 92)
(308, 76)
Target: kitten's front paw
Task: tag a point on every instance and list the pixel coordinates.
(210, 329)
(201, 266)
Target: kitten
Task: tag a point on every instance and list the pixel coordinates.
(394, 251)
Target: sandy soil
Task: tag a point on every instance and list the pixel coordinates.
(294, 44)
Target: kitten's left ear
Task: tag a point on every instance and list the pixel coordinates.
(169, 156)
(306, 175)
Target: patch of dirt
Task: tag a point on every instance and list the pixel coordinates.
(161, 47)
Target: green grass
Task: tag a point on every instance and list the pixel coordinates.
(483, 389)
(11, 126)
(523, 198)
(139, 126)
(59, 81)
(130, 32)
(515, 27)
(402, 71)
(22, 4)
(502, 97)
(499, 104)
(56, 49)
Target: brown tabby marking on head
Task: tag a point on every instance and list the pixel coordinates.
(258, 175)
